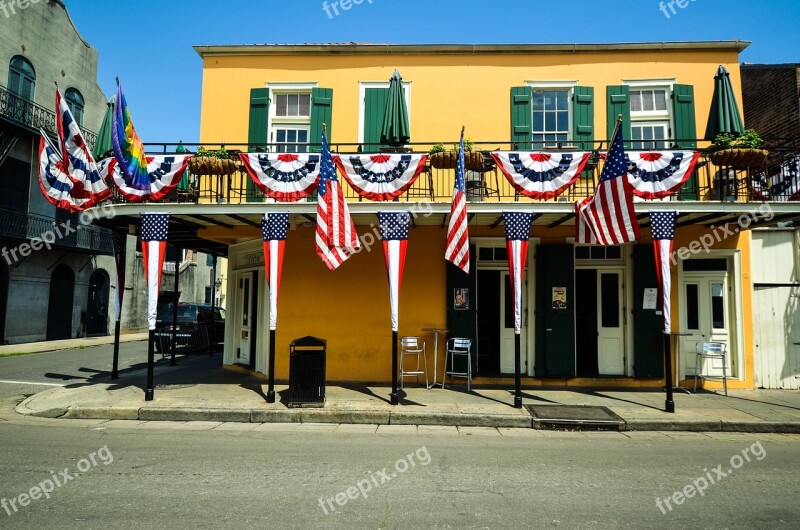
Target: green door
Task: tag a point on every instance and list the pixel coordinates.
(462, 315)
(374, 105)
(647, 323)
(555, 311)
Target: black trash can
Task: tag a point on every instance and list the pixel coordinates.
(307, 372)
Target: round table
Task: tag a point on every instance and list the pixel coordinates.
(435, 332)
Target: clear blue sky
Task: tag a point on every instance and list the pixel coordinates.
(161, 74)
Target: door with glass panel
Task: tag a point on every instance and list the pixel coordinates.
(705, 317)
(610, 328)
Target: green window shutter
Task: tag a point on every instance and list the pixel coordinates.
(583, 117)
(374, 106)
(321, 112)
(257, 136)
(618, 102)
(521, 117)
(685, 133)
(555, 328)
(648, 341)
(463, 323)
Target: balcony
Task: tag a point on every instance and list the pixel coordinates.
(26, 113)
(24, 226)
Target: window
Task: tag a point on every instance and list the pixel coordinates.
(717, 305)
(290, 120)
(692, 307)
(293, 105)
(597, 252)
(551, 117)
(649, 100)
(21, 77)
(649, 135)
(75, 103)
(288, 139)
(650, 118)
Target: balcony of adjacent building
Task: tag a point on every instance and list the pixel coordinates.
(64, 232)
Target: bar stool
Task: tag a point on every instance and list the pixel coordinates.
(413, 346)
(458, 347)
(710, 350)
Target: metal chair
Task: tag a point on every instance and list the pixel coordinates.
(458, 347)
(710, 350)
(413, 346)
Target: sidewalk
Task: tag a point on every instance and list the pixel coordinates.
(199, 390)
(69, 344)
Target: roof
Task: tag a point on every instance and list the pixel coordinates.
(354, 48)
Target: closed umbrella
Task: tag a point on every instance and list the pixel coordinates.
(395, 130)
(183, 185)
(103, 145)
(724, 116)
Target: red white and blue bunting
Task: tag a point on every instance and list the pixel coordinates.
(164, 172)
(285, 177)
(659, 174)
(57, 185)
(380, 177)
(541, 175)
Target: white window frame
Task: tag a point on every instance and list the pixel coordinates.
(658, 117)
(651, 123)
(293, 122)
(293, 127)
(569, 87)
(362, 101)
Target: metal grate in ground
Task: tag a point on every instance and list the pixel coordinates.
(574, 417)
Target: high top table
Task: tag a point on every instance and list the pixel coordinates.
(435, 332)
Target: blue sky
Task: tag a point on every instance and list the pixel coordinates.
(161, 73)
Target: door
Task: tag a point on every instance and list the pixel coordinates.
(60, 301)
(244, 318)
(555, 311)
(706, 317)
(506, 323)
(610, 323)
(97, 304)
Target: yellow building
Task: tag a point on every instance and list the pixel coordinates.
(607, 332)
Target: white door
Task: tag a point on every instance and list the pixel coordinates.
(610, 328)
(243, 320)
(506, 322)
(706, 317)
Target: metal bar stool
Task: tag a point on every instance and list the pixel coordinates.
(458, 347)
(710, 350)
(413, 346)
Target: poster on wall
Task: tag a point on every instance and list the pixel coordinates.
(461, 299)
(559, 297)
(650, 298)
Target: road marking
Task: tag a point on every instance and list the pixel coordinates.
(29, 383)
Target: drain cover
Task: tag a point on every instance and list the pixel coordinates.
(579, 416)
(173, 387)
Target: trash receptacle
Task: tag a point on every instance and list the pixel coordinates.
(307, 372)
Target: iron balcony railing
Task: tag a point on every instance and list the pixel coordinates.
(25, 112)
(775, 180)
(62, 233)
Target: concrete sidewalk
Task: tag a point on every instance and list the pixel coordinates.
(69, 344)
(199, 390)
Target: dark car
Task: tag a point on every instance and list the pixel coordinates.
(201, 327)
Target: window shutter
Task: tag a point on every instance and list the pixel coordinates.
(619, 102)
(321, 112)
(555, 328)
(583, 112)
(648, 343)
(685, 133)
(521, 116)
(258, 135)
(463, 323)
(374, 106)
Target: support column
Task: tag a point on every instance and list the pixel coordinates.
(176, 294)
(669, 404)
(394, 397)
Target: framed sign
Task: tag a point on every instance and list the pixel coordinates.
(559, 297)
(650, 298)
(461, 298)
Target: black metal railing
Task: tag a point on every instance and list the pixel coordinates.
(25, 112)
(68, 233)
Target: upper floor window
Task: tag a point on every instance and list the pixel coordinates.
(551, 117)
(75, 103)
(293, 105)
(290, 119)
(21, 77)
(650, 117)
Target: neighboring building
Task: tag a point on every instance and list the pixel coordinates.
(277, 97)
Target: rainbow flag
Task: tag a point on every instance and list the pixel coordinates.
(128, 147)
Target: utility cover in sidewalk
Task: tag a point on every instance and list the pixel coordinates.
(575, 416)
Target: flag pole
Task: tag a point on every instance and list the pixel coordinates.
(120, 290)
(669, 403)
(176, 295)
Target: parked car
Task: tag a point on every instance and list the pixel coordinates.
(201, 327)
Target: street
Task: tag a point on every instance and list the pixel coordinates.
(100, 474)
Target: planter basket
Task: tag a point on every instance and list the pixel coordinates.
(206, 165)
(739, 158)
(473, 161)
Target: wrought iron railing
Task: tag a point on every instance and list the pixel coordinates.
(25, 112)
(68, 234)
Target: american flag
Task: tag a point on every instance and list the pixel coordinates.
(663, 224)
(118, 239)
(518, 229)
(394, 233)
(154, 229)
(610, 214)
(337, 238)
(457, 251)
(274, 228)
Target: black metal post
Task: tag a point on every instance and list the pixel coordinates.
(394, 397)
(517, 376)
(669, 404)
(115, 364)
(176, 294)
(148, 393)
(271, 388)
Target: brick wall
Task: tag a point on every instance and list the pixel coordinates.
(771, 96)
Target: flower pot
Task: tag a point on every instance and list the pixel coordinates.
(207, 165)
(444, 160)
(738, 158)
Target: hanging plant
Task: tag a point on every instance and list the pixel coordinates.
(739, 152)
(207, 162)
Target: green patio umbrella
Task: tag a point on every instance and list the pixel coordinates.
(103, 146)
(395, 130)
(183, 185)
(724, 116)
